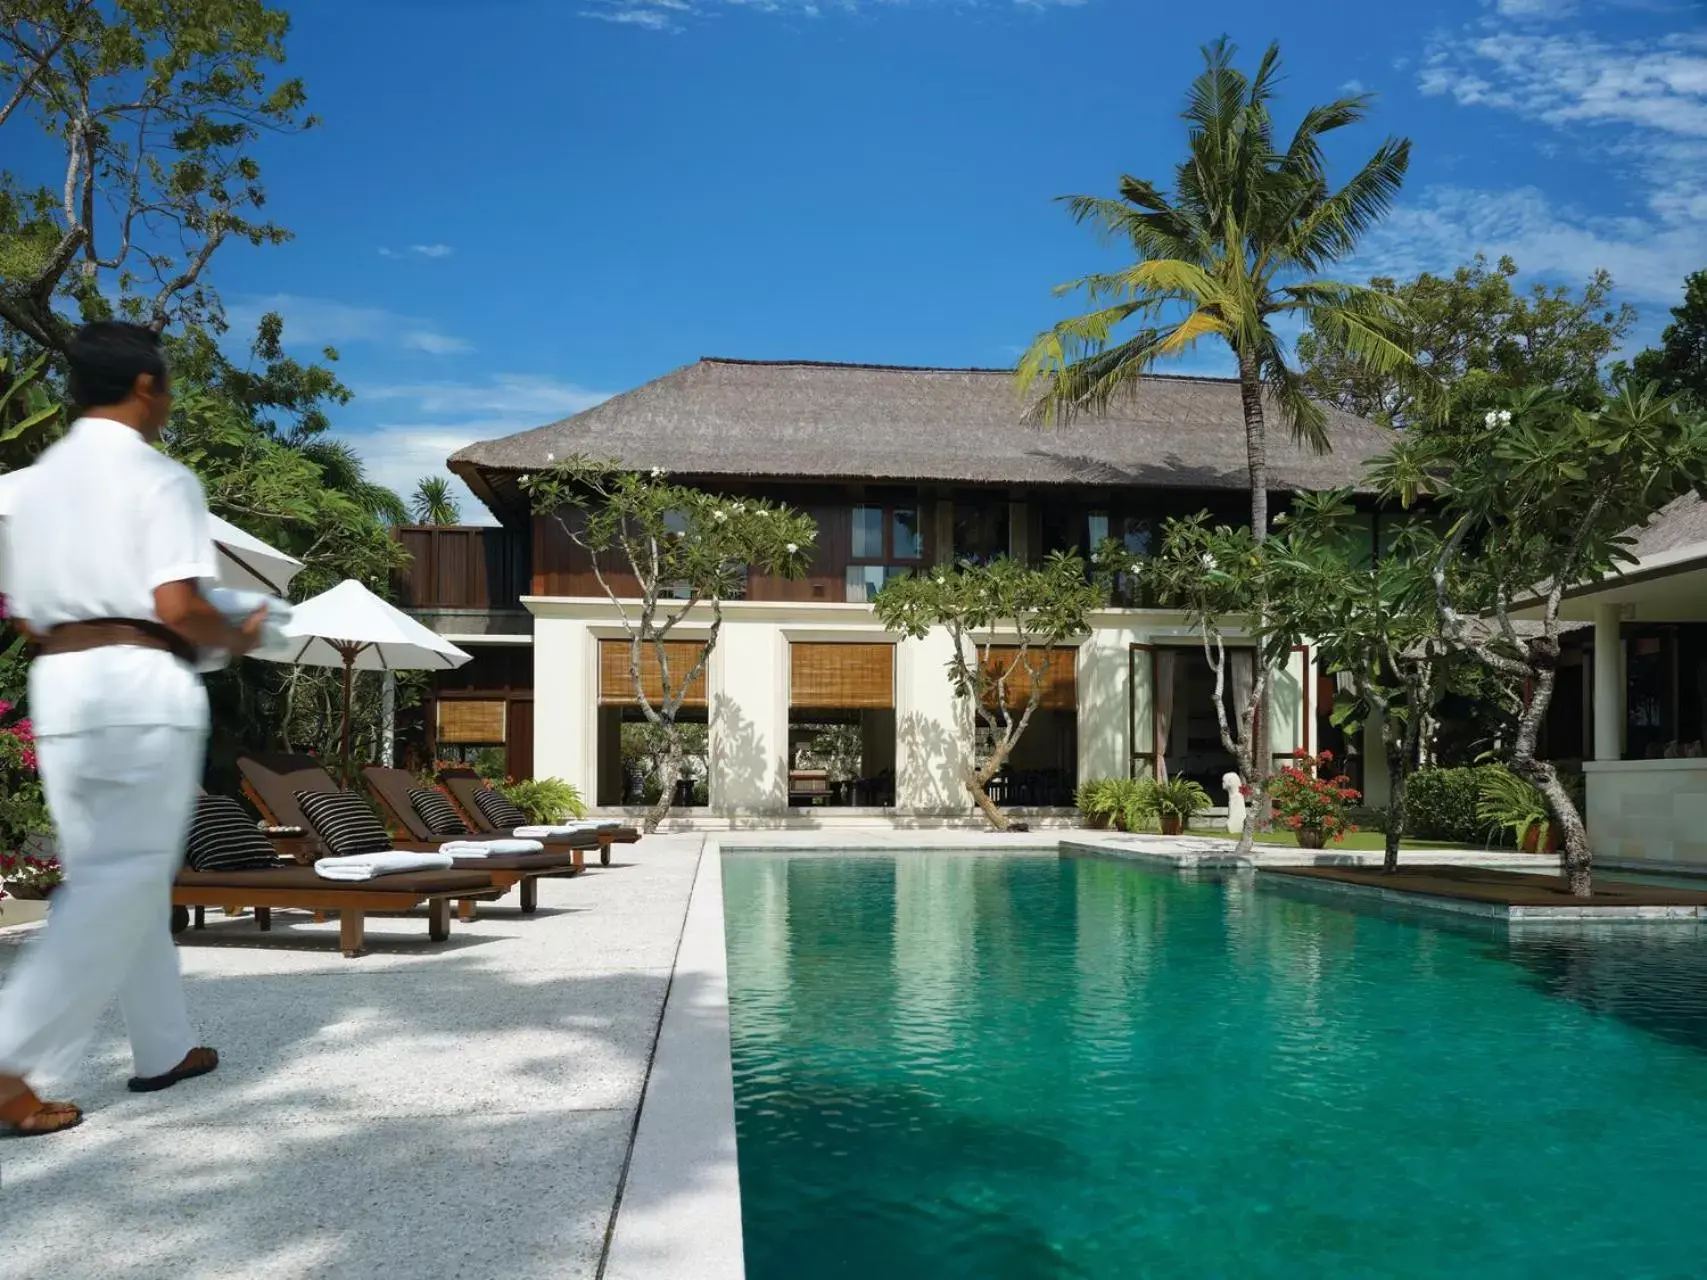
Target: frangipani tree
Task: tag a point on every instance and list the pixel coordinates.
(686, 552)
(1370, 614)
(1540, 501)
(1005, 620)
(1219, 575)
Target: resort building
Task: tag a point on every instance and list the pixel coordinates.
(1631, 700)
(808, 702)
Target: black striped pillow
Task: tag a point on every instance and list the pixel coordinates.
(224, 838)
(498, 810)
(343, 820)
(437, 812)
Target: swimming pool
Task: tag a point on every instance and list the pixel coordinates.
(1021, 1068)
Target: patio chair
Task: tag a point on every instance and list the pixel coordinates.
(465, 784)
(274, 781)
(399, 796)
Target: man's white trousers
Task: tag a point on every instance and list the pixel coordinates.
(121, 800)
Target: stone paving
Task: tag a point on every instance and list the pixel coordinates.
(464, 1109)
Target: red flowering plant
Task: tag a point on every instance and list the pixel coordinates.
(1309, 797)
(23, 813)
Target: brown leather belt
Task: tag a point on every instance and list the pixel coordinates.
(104, 633)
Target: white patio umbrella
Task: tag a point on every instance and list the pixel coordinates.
(352, 628)
(245, 563)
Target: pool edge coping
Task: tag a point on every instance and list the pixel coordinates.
(1510, 914)
(679, 1217)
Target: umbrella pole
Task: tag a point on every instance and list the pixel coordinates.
(349, 671)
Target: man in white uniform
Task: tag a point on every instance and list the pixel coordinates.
(108, 540)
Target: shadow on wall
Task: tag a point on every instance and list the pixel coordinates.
(743, 775)
(929, 754)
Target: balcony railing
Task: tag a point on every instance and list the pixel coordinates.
(463, 567)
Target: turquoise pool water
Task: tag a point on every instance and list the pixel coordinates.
(976, 1068)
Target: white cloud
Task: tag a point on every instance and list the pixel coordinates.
(1354, 87)
(418, 251)
(435, 419)
(1648, 259)
(1639, 108)
(669, 15)
(321, 322)
(1535, 8)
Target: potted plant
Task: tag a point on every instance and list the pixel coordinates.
(545, 800)
(1096, 802)
(30, 876)
(1313, 802)
(1505, 800)
(1177, 801)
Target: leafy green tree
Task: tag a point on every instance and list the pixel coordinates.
(1235, 250)
(1004, 620)
(676, 549)
(153, 109)
(1370, 617)
(1678, 366)
(1541, 501)
(1479, 336)
(1220, 576)
(434, 503)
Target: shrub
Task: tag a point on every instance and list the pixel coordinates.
(1507, 802)
(1128, 803)
(23, 812)
(1309, 796)
(544, 800)
(1179, 798)
(1441, 804)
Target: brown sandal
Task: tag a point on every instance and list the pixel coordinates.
(197, 1062)
(24, 1115)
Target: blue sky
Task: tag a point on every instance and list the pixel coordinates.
(517, 207)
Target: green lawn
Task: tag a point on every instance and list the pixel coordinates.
(1363, 840)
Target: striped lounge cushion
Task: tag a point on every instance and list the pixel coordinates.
(224, 838)
(434, 809)
(343, 820)
(498, 810)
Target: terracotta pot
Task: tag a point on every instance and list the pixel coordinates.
(1311, 838)
(1172, 825)
(1119, 821)
(1097, 821)
(1532, 840)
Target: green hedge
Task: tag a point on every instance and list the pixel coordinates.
(1440, 804)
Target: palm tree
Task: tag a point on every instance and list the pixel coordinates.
(1236, 247)
(434, 503)
(342, 470)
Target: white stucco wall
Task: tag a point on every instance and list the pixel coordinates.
(747, 686)
(1648, 811)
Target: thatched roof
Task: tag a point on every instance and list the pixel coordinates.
(802, 420)
(1681, 523)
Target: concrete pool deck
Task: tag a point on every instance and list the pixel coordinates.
(465, 1109)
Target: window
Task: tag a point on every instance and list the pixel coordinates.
(882, 535)
(868, 533)
(980, 530)
(907, 538)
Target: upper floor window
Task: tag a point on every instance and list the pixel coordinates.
(888, 540)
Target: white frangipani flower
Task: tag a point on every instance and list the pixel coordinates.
(551, 457)
(1491, 420)
(1208, 559)
(657, 473)
(720, 515)
(1505, 417)
(792, 548)
(526, 478)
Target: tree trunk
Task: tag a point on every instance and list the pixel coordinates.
(999, 821)
(669, 773)
(1397, 771)
(1256, 443)
(1575, 862)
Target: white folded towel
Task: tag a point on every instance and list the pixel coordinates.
(365, 866)
(491, 848)
(236, 607)
(554, 829)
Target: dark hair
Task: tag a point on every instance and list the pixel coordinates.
(106, 359)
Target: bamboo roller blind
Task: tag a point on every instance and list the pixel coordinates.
(1060, 677)
(616, 686)
(476, 723)
(841, 676)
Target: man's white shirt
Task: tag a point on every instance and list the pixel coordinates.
(104, 519)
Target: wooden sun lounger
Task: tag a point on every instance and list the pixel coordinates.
(461, 784)
(301, 889)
